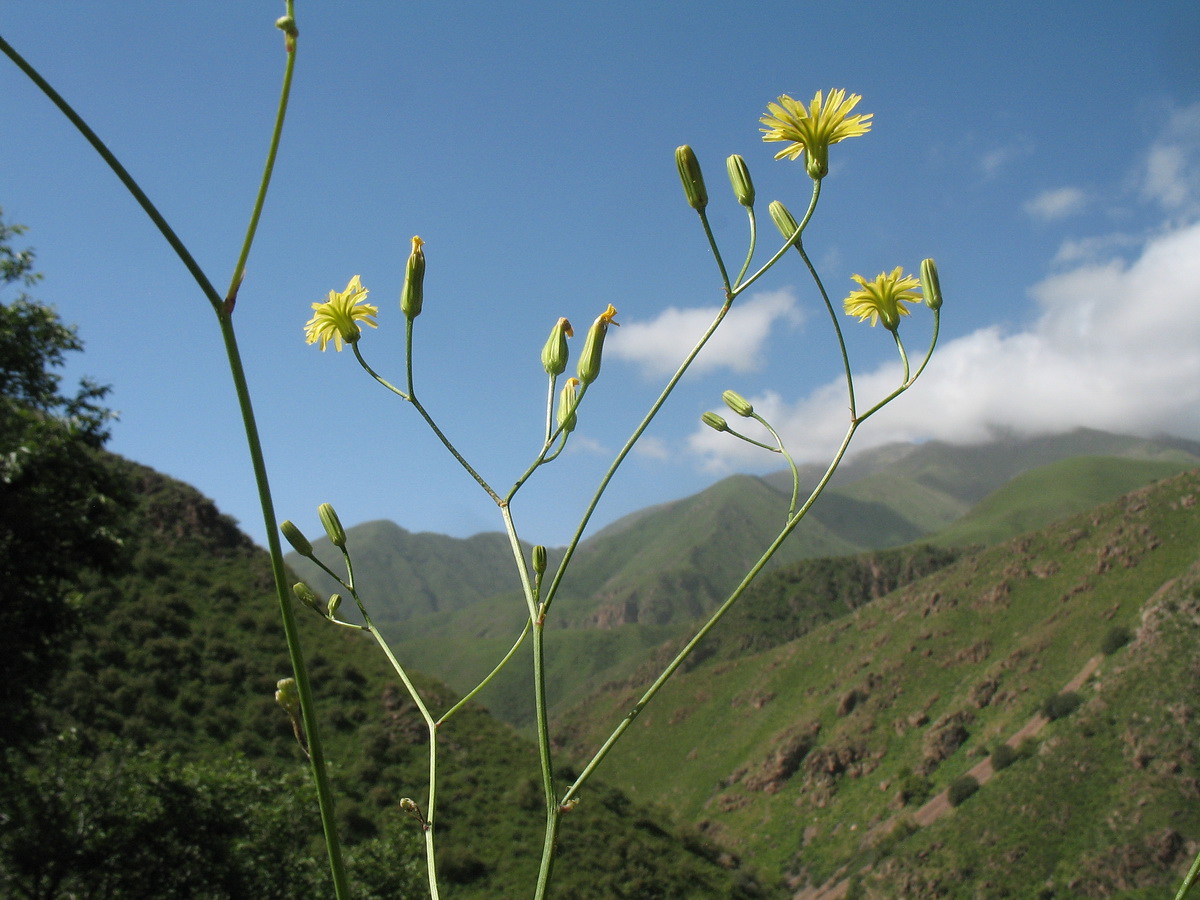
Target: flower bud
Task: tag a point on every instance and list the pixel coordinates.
(783, 219)
(413, 293)
(333, 525)
(304, 594)
(335, 600)
(287, 24)
(738, 403)
(567, 399)
(555, 353)
(930, 286)
(296, 538)
(539, 559)
(593, 344)
(692, 177)
(739, 177)
(287, 696)
(715, 421)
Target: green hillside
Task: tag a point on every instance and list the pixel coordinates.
(1051, 492)
(177, 664)
(813, 758)
(648, 576)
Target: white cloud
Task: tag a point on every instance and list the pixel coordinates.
(998, 158)
(1056, 204)
(652, 448)
(1171, 176)
(1115, 346)
(658, 346)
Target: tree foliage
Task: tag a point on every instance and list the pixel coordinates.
(61, 501)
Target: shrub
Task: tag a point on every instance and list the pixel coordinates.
(961, 788)
(1061, 705)
(1116, 638)
(1003, 757)
(914, 789)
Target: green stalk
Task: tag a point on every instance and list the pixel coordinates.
(479, 687)
(553, 810)
(711, 623)
(1189, 880)
(412, 398)
(239, 269)
(222, 308)
(120, 171)
(731, 292)
(791, 241)
(430, 817)
(291, 632)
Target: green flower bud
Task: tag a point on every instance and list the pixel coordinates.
(783, 219)
(930, 286)
(692, 177)
(287, 24)
(593, 345)
(304, 594)
(296, 538)
(555, 353)
(288, 696)
(333, 525)
(539, 559)
(413, 293)
(739, 177)
(335, 600)
(738, 403)
(567, 398)
(715, 421)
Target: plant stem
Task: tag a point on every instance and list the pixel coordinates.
(412, 398)
(1189, 880)
(239, 270)
(711, 623)
(553, 812)
(431, 725)
(287, 613)
(479, 687)
(222, 308)
(122, 174)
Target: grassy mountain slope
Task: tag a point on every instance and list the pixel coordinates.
(1051, 492)
(899, 493)
(662, 567)
(406, 574)
(803, 755)
(183, 651)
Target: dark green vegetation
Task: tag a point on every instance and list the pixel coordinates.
(178, 657)
(60, 499)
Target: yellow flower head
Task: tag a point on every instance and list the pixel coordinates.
(815, 128)
(883, 299)
(338, 318)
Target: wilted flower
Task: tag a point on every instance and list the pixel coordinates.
(593, 345)
(815, 128)
(883, 299)
(337, 318)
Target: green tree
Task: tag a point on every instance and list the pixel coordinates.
(106, 821)
(61, 500)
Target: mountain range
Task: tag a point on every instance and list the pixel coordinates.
(988, 689)
(643, 579)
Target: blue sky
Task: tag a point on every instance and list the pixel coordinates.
(1047, 155)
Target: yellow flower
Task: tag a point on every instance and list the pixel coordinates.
(815, 128)
(883, 299)
(337, 318)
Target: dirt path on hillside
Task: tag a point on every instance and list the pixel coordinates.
(940, 805)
